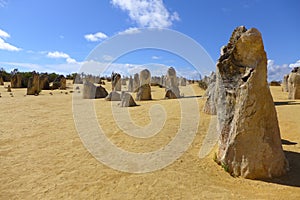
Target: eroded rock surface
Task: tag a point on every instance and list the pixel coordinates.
(127, 100)
(116, 81)
(172, 84)
(250, 143)
(210, 93)
(91, 91)
(144, 91)
(294, 84)
(33, 86)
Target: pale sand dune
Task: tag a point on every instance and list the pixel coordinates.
(42, 156)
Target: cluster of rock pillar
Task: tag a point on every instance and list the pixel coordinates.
(291, 84)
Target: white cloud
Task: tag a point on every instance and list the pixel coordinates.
(147, 13)
(3, 34)
(107, 58)
(130, 31)
(71, 60)
(276, 72)
(155, 57)
(95, 37)
(297, 64)
(57, 54)
(6, 46)
(3, 44)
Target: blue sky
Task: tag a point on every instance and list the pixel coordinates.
(52, 35)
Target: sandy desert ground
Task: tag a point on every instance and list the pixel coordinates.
(42, 156)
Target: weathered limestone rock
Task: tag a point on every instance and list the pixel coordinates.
(294, 84)
(170, 95)
(44, 82)
(60, 83)
(91, 91)
(116, 81)
(113, 96)
(123, 81)
(285, 83)
(130, 84)
(1, 81)
(136, 82)
(249, 143)
(182, 81)
(8, 88)
(33, 86)
(16, 81)
(172, 83)
(127, 100)
(163, 81)
(144, 91)
(63, 83)
(210, 104)
(145, 77)
(156, 81)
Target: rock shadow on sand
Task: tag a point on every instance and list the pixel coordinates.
(292, 178)
(287, 142)
(285, 103)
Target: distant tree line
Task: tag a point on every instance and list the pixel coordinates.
(6, 76)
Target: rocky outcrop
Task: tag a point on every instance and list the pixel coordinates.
(124, 81)
(182, 81)
(59, 83)
(144, 91)
(116, 81)
(63, 83)
(163, 81)
(170, 95)
(130, 84)
(113, 96)
(210, 93)
(16, 81)
(91, 91)
(136, 82)
(249, 143)
(294, 84)
(33, 86)
(285, 85)
(8, 88)
(172, 83)
(127, 100)
(44, 82)
(1, 81)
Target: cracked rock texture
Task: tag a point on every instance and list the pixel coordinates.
(249, 143)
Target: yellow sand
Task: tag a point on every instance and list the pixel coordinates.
(42, 156)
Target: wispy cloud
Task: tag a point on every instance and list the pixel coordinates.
(147, 13)
(107, 58)
(3, 34)
(3, 3)
(57, 54)
(95, 37)
(156, 57)
(276, 72)
(296, 64)
(4, 45)
(130, 31)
